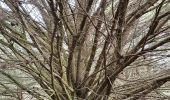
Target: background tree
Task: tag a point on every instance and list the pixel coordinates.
(84, 49)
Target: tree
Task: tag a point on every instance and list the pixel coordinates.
(84, 49)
